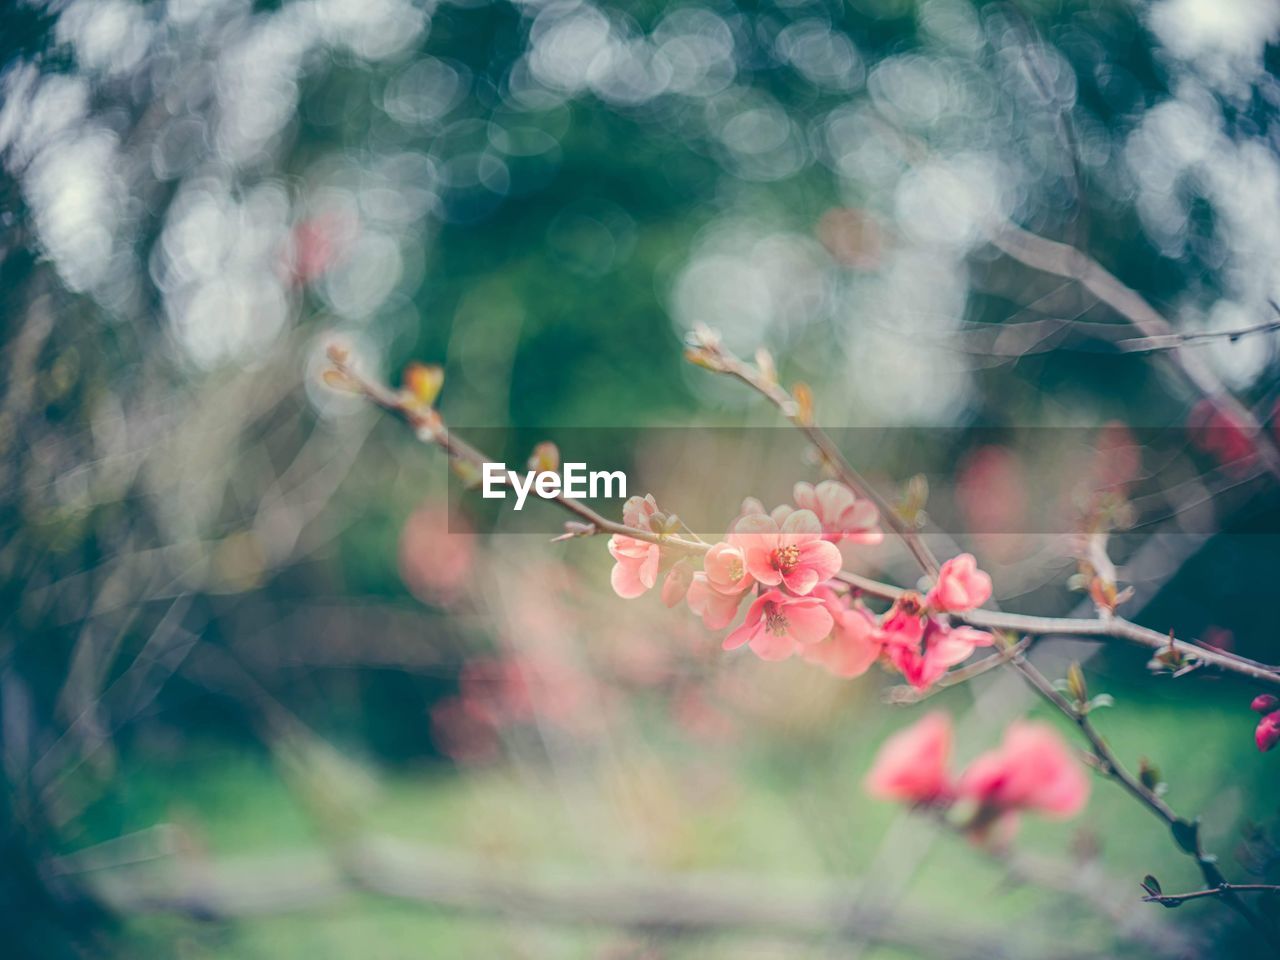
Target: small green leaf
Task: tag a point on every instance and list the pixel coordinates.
(1102, 700)
(1151, 885)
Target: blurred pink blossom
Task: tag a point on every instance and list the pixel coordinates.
(437, 554)
(1033, 769)
(1220, 434)
(911, 766)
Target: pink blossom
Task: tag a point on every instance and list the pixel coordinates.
(793, 554)
(677, 582)
(317, 244)
(635, 569)
(716, 609)
(941, 648)
(1033, 769)
(1268, 733)
(842, 515)
(961, 586)
(437, 554)
(726, 569)
(778, 626)
(903, 624)
(854, 644)
(911, 766)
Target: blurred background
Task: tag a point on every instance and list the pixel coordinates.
(262, 694)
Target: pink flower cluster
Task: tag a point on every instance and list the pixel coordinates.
(1032, 770)
(784, 565)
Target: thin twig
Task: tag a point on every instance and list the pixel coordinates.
(1174, 899)
(903, 694)
(723, 361)
(1168, 341)
(1063, 260)
(1082, 880)
(1186, 833)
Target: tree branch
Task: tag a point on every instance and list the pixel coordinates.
(1186, 833)
(1063, 260)
(668, 905)
(710, 353)
(429, 428)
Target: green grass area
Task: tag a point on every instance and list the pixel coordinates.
(761, 807)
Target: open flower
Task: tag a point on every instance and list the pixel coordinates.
(792, 554)
(842, 515)
(911, 766)
(726, 569)
(716, 609)
(854, 644)
(1033, 769)
(635, 568)
(961, 586)
(940, 648)
(778, 626)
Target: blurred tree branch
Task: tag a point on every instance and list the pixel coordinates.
(668, 905)
(1063, 260)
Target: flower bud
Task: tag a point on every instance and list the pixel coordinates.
(1268, 732)
(764, 363)
(545, 457)
(676, 585)
(802, 395)
(1076, 685)
(1264, 703)
(423, 382)
(340, 380)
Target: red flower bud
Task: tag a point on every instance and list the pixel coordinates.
(1264, 703)
(1268, 732)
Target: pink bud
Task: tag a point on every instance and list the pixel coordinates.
(1264, 703)
(1268, 732)
(677, 583)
